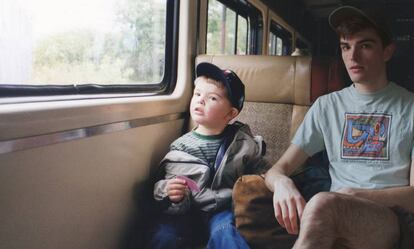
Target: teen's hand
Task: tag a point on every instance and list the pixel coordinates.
(288, 204)
(176, 189)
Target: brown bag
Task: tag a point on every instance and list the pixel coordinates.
(254, 215)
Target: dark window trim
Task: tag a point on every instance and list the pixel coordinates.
(256, 31)
(171, 49)
(166, 86)
(301, 44)
(236, 32)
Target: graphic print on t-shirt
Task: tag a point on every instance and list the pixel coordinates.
(366, 136)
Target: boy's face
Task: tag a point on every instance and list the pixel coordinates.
(364, 56)
(210, 108)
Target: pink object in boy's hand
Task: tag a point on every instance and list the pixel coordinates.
(191, 184)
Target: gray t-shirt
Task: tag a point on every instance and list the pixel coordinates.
(368, 137)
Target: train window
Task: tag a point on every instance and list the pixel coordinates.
(85, 46)
(280, 40)
(233, 27)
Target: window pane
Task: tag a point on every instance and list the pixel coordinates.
(242, 35)
(230, 31)
(82, 41)
(272, 44)
(283, 43)
(279, 46)
(214, 26)
(221, 29)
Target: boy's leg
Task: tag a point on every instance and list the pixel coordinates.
(175, 232)
(223, 232)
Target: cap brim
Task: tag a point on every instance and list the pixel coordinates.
(211, 71)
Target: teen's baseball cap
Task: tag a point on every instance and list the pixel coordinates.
(234, 86)
(372, 14)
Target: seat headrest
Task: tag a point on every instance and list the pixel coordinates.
(274, 79)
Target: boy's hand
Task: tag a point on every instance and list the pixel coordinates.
(176, 189)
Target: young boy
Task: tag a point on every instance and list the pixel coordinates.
(202, 166)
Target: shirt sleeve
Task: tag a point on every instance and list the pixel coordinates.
(309, 135)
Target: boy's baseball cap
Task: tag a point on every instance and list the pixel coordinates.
(372, 14)
(234, 86)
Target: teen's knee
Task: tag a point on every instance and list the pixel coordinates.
(321, 208)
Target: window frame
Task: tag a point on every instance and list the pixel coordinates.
(284, 34)
(166, 85)
(255, 25)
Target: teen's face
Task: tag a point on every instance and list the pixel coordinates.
(210, 106)
(364, 56)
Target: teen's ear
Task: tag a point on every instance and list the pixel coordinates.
(233, 113)
(389, 51)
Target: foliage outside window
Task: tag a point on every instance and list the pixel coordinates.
(275, 45)
(242, 36)
(82, 41)
(227, 31)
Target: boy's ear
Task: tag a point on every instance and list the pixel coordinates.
(233, 113)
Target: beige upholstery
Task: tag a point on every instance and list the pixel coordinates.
(274, 79)
(277, 95)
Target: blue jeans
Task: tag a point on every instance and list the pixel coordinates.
(223, 232)
(190, 230)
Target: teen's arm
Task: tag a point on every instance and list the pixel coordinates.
(391, 197)
(288, 203)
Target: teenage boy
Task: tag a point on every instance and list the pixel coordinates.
(367, 130)
(202, 166)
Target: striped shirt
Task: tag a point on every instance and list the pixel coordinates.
(201, 146)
